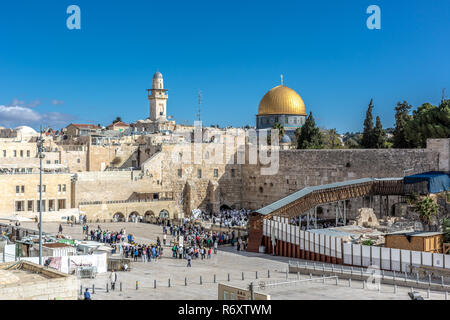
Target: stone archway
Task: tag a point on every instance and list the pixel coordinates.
(225, 207)
(164, 214)
(149, 216)
(118, 217)
(133, 216)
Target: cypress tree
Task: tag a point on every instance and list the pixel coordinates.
(367, 140)
(401, 121)
(378, 134)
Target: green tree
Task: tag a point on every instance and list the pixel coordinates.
(331, 139)
(367, 140)
(118, 119)
(446, 229)
(379, 135)
(309, 136)
(427, 209)
(280, 128)
(428, 121)
(402, 117)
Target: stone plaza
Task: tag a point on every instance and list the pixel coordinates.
(228, 266)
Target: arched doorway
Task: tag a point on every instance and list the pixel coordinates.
(149, 217)
(225, 207)
(133, 217)
(164, 214)
(118, 217)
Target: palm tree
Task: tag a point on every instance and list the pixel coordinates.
(427, 209)
(280, 129)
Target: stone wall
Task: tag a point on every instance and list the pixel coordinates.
(52, 285)
(243, 185)
(442, 147)
(301, 168)
(100, 157)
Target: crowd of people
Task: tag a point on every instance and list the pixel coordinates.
(187, 241)
(225, 217)
(191, 241)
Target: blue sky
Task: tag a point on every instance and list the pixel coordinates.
(233, 51)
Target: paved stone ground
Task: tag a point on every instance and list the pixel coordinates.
(228, 260)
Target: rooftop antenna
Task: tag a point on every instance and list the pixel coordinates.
(199, 103)
(443, 94)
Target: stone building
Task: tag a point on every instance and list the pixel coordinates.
(20, 193)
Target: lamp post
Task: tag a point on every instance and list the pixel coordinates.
(40, 145)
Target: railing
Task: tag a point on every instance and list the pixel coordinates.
(123, 201)
(362, 272)
(36, 172)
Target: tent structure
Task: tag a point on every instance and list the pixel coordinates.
(16, 218)
(436, 181)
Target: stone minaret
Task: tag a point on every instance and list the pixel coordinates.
(158, 98)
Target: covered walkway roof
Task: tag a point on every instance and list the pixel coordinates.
(306, 198)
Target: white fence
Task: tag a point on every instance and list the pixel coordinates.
(352, 254)
(68, 264)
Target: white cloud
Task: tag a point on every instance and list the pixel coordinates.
(22, 103)
(13, 116)
(17, 113)
(56, 102)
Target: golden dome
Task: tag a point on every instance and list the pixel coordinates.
(281, 100)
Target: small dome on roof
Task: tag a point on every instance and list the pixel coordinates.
(25, 130)
(285, 139)
(157, 75)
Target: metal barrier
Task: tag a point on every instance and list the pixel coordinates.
(86, 272)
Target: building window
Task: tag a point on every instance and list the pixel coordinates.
(59, 188)
(199, 173)
(56, 161)
(51, 205)
(180, 173)
(20, 205)
(28, 153)
(286, 120)
(233, 173)
(61, 204)
(48, 161)
(15, 153)
(78, 160)
(43, 188)
(21, 153)
(43, 205)
(17, 189)
(30, 205)
(216, 173)
(64, 188)
(22, 189)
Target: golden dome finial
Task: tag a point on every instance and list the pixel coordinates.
(281, 79)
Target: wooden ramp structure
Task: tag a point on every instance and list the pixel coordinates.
(304, 200)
